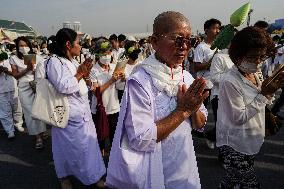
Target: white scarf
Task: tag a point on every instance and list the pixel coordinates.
(164, 78)
(82, 84)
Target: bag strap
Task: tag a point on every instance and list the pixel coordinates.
(46, 76)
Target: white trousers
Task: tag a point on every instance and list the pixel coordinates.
(10, 111)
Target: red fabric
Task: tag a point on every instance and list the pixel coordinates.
(101, 120)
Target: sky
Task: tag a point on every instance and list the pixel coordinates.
(104, 17)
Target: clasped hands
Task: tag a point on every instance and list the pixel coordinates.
(189, 100)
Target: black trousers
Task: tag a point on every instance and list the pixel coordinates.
(211, 134)
(112, 120)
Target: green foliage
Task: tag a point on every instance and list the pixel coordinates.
(240, 15)
(224, 38)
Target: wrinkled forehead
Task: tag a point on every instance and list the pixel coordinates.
(172, 26)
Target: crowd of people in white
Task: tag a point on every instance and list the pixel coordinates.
(146, 98)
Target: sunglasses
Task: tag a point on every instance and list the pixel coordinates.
(178, 40)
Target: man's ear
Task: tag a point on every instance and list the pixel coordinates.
(205, 31)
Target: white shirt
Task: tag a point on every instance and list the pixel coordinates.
(110, 95)
(14, 60)
(7, 82)
(221, 63)
(279, 58)
(202, 54)
(241, 113)
(135, 153)
(128, 70)
(116, 54)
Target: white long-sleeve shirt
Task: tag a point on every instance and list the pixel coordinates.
(241, 113)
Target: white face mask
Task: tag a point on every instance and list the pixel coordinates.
(45, 51)
(24, 50)
(35, 50)
(249, 67)
(105, 59)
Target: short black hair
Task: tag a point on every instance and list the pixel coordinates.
(261, 24)
(211, 22)
(121, 37)
(142, 41)
(113, 37)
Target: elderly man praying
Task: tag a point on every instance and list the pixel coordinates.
(153, 147)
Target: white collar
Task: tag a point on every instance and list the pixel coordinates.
(164, 78)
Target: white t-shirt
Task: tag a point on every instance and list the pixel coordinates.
(116, 54)
(110, 95)
(7, 82)
(128, 70)
(14, 60)
(203, 53)
(221, 64)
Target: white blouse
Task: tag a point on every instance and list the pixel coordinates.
(14, 60)
(7, 82)
(241, 113)
(110, 95)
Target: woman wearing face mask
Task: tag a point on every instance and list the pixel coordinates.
(44, 49)
(103, 75)
(75, 148)
(241, 110)
(132, 56)
(25, 74)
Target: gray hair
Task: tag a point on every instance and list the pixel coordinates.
(166, 21)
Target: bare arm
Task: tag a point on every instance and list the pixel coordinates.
(18, 74)
(198, 66)
(107, 85)
(198, 119)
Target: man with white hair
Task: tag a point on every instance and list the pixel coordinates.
(153, 147)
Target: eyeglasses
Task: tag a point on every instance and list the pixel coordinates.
(178, 40)
(256, 58)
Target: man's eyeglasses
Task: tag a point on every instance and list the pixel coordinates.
(179, 40)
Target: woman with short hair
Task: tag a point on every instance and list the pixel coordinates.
(241, 110)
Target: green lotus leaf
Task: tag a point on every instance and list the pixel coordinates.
(130, 50)
(105, 45)
(240, 15)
